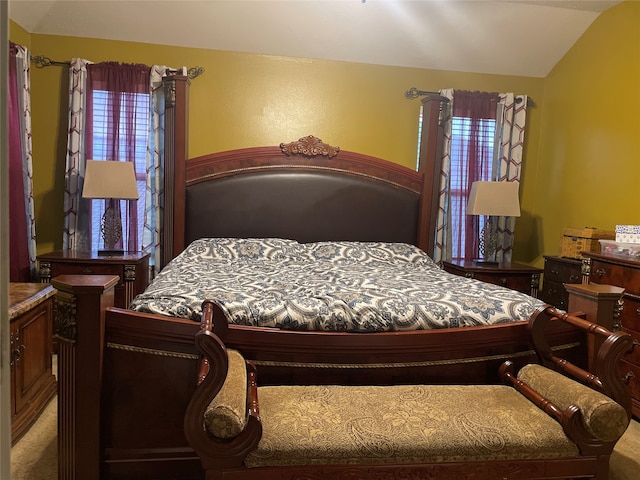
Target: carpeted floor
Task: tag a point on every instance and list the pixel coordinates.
(34, 457)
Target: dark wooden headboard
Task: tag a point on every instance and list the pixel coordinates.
(305, 190)
(313, 192)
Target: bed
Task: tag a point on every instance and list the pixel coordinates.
(305, 192)
(360, 210)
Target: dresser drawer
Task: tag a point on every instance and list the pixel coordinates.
(633, 356)
(554, 294)
(617, 275)
(630, 317)
(634, 383)
(562, 271)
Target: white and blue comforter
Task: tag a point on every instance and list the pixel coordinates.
(329, 286)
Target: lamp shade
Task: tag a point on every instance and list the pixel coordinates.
(110, 179)
(499, 199)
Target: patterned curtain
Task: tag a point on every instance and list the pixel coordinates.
(154, 192)
(442, 248)
(22, 243)
(77, 210)
(510, 124)
(512, 114)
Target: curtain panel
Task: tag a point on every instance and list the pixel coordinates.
(22, 231)
(512, 115)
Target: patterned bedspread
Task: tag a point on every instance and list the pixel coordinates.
(330, 286)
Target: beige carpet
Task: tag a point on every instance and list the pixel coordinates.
(34, 457)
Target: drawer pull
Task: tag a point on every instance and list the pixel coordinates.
(87, 270)
(554, 272)
(573, 278)
(600, 272)
(628, 377)
(503, 280)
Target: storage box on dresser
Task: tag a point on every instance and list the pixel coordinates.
(578, 240)
(557, 272)
(626, 274)
(32, 382)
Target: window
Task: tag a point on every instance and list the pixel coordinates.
(460, 174)
(132, 140)
(474, 139)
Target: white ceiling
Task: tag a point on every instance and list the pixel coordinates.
(517, 37)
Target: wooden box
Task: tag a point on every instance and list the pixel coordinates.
(577, 240)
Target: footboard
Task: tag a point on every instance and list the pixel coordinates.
(140, 372)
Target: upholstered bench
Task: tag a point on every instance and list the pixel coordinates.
(548, 426)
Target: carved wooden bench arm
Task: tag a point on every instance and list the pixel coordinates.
(212, 373)
(606, 377)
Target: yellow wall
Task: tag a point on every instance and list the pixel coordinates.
(19, 35)
(589, 165)
(249, 100)
(581, 156)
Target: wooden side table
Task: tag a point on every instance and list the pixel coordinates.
(559, 271)
(33, 384)
(132, 269)
(516, 276)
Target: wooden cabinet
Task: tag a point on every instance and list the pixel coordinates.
(626, 274)
(516, 276)
(557, 272)
(132, 270)
(33, 384)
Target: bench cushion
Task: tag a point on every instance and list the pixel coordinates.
(226, 415)
(333, 424)
(602, 416)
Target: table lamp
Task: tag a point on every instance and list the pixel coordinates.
(110, 180)
(492, 199)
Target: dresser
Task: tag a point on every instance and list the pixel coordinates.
(626, 274)
(131, 268)
(516, 276)
(33, 384)
(557, 272)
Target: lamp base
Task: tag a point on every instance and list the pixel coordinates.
(107, 253)
(482, 261)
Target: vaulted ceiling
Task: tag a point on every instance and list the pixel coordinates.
(517, 37)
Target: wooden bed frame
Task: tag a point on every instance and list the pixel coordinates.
(139, 370)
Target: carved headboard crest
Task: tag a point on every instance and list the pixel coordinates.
(309, 146)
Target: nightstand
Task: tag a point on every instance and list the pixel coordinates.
(557, 272)
(132, 269)
(516, 276)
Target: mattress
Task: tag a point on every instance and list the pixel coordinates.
(326, 286)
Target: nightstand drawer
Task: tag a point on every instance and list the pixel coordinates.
(132, 270)
(522, 283)
(87, 269)
(516, 276)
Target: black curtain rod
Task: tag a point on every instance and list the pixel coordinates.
(41, 61)
(413, 92)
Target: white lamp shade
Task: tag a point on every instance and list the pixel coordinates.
(499, 199)
(110, 179)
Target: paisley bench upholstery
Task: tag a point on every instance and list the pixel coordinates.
(406, 424)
